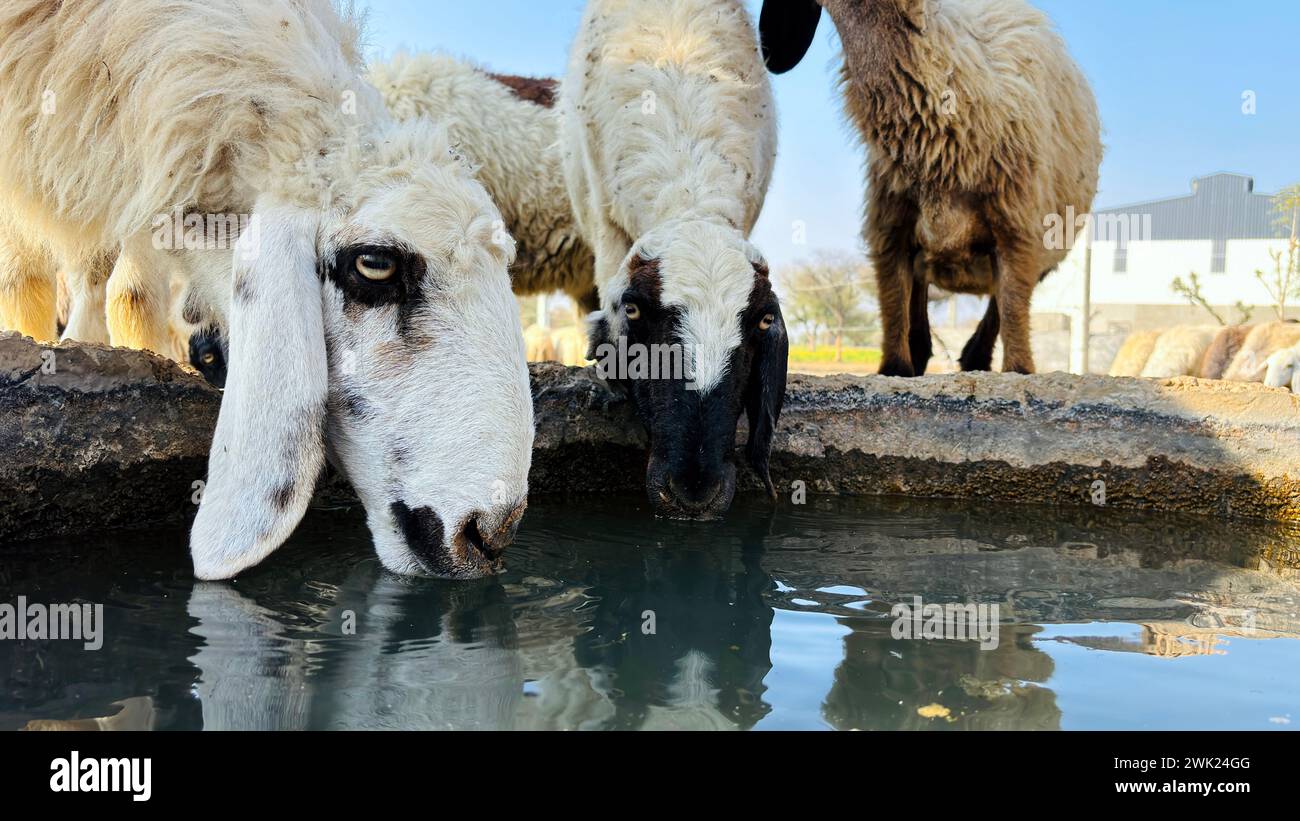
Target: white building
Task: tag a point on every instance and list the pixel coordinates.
(1223, 231)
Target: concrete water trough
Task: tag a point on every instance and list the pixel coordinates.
(95, 438)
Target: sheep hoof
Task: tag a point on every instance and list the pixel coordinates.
(896, 367)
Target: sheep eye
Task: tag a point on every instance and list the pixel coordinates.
(766, 322)
(208, 358)
(632, 311)
(376, 267)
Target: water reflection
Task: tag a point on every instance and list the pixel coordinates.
(608, 619)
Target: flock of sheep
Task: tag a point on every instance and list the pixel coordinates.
(1268, 353)
(366, 310)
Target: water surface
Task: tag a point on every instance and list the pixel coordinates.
(609, 619)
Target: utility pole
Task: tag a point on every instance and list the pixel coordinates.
(1086, 319)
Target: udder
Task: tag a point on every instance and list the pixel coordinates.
(955, 247)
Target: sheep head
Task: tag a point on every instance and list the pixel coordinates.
(380, 332)
(692, 332)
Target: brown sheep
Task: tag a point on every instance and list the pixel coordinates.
(1251, 362)
(980, 132)
(1134, 353)
(1221, 351)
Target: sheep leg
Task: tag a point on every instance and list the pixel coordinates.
(895, 294)
(919, 343)
(86, 282)
(138, 304)
(1015, 285)
(978, 353)
(28, 292)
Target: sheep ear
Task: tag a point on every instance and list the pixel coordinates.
(597, 333)
(764, 395)
(786, 29)
(268, 450)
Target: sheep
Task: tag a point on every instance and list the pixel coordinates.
(981, 132)
(1284, 369)
(668, 136)
(537, 344)
(1251, 362)
(365, 301)
(1134, 353)
(1179, 350)
(509, 127)
(1221, 351)
(570, 346)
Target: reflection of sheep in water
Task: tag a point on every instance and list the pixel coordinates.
(1219, 355)
(1134, 353)
(1251, 362)
(1179, 350)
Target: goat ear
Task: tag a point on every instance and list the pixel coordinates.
(268, 450)
(785, 30)
(764, 395)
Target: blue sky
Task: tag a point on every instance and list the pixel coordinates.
(1169, 77)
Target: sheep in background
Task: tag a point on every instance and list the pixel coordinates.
(509, 127)
(1134, 353)
(1251, 362)
(669, 136)
(1283, 369)
(980, 132)
(1179, 350)
(537, 344)
(1219, 355)
(368, 297)
(570, 346)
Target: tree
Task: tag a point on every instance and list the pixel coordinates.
(832, 291)
(1283, 282)
(1191, 291)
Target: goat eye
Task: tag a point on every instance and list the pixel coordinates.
(632, 311)
(376, 267)
(208, 358)
(766, 322)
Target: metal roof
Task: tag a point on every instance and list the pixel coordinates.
(1221, 207)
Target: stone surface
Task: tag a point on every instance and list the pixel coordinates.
(94, 437)
(115, 438)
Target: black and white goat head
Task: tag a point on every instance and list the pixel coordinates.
(379, 332)
(704, 291)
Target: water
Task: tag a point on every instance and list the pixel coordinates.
(609, 619)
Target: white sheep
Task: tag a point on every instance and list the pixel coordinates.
(983, 148)
(367, 304)
(1179, 350)
(669, 134)
(508, 126)
(1284, 369)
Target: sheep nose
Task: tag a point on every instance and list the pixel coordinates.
(694, 497)
(491, 532)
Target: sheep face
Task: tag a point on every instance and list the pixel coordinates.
(208, 357)
(700, 297)
(1283, 368)
(384, 336)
